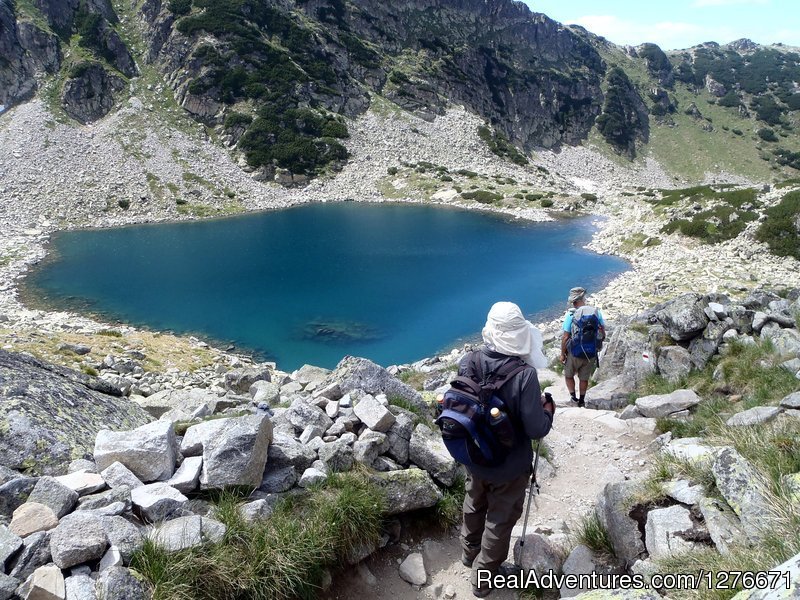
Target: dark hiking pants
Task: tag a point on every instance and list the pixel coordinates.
(490, 512)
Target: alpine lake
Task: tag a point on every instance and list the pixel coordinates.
(310, 284)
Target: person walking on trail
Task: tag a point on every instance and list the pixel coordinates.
(583, 332)
(495, 496)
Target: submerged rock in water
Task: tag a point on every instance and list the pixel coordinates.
(336, 332)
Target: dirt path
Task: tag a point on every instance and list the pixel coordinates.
(588, 448)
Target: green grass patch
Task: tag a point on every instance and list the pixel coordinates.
(110, 333)
(591, 533)
(91, 371)
(413, 378)
(449, 508)
(281, 557)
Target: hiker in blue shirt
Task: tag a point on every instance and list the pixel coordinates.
(583, 332)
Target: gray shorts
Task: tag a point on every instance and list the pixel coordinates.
(577, 365)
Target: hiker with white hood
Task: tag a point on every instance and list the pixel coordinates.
(495, 495)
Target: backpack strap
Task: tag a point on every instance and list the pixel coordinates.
(496, 379)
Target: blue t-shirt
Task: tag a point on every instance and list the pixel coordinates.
(568, 320)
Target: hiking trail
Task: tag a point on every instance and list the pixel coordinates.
(588, 449)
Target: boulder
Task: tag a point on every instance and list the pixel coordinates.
(399, 436)
(117, 474)
(703, 347)
(117, 496)
(55, 495)
(611, 394)
(239, 381)
(238, 453)
(412, 569)
(785, 341)
(538, 554)
(336, 456)
(197, 436)
(265, 391)
(744, 491)
(8, 586)
(301, 415)
(83, 482)
(259, 509)
(186, 401)
(354, 373)
(663, 405)
(119, 582)
(427, 450)
(81, 464)
(14, 493)
(754, 416)
(674, 363)
(629, 412)
(46, 583)
(32, 517)
(683, 491)
(310, 374)
(311, 476)
(34, 554)
(39, 435)
(684, 317)
(722, 523)
(80, 587)
(112, 558)
(10, 543)
(157, 501)
(694, 449)
(407, 490)
(278, 480)
(123, 535)
(612, 510)
(79, 538)
(287, 451)
(373, 414)
(581, 561)
(187, 532)
(187, 477)
(148, 451)
(788, 585)
(792, 401)
(628, 353)
(666, 531)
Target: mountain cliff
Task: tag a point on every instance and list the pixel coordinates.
(277, 81)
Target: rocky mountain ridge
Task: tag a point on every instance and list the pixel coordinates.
(278, 82)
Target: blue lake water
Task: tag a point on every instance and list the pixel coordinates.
(310, 284)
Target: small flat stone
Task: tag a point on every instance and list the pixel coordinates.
(32, 517)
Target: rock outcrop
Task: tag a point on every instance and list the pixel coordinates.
(50, 415)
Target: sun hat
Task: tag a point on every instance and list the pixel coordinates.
(508, 332)
(575, 294)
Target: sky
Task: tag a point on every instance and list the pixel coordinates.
(678, 24)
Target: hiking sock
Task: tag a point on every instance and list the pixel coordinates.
(572, 397)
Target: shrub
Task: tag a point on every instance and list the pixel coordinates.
(392, 170)
(737, 131)
(731, 100)
(589, 197)
(619, 123)
(547, 203)
(110, 333)
(180, 7)
(500, 146)
(466, 173)
(482, 196)
(234, 119)
(780, 230)
(124, 203)
(767, 134)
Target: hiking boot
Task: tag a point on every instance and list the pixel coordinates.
(466, 561)
(581, 404)
(481, 592)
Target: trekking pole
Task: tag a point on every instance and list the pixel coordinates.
(534, 485)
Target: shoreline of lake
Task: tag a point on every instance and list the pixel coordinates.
(656, 273)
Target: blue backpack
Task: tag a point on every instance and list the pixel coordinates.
(470, 434)
(584, 341)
